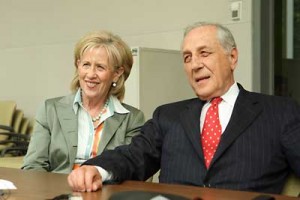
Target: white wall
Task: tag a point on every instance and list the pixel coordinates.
(37, 38)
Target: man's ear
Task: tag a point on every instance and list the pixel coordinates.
(234, 58)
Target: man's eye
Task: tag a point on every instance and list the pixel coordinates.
(187, 59)
(205, 53)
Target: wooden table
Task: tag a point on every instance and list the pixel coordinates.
(35, 185)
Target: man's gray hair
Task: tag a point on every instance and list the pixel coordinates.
(224, 35)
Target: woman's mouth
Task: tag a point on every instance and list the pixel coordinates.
(91, 84)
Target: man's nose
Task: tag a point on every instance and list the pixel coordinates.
(197, 62)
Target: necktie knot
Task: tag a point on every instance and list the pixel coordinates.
(216, 100)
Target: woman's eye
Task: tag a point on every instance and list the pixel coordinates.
(100, 68)
(85, 65)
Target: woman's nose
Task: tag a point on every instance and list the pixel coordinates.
(91, 72)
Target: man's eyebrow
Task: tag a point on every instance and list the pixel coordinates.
(197, 49)
(186, 52)
(203, 47)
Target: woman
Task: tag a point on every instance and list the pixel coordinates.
(71, 129)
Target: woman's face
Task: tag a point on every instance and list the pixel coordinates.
(95, 74)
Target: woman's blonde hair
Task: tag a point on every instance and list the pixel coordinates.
(119, 55)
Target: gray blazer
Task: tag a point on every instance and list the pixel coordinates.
(53, 145)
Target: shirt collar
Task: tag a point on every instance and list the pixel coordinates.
(231, 95)
(114, 105)
(77, 101)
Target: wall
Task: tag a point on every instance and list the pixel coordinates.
(37, 38)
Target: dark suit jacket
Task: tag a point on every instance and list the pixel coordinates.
(258, 148)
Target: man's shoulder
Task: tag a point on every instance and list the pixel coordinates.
(268, 101)
(179, 104)
(266, 97)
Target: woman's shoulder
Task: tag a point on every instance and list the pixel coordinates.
(61, 99)
(131, 108)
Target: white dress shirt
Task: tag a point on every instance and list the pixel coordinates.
(225, 107)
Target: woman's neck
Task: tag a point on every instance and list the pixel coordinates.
(93, 106)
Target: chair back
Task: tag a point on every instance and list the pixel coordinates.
(18, 116)
(30, 126)
(24, 126)
(14, 137)
(292, 186)
(7, 109)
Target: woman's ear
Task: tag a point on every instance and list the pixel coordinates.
(77, 63)
(118, 73)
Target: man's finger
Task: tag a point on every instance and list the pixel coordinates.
(76, 180)
(91, 176)
(97, 184)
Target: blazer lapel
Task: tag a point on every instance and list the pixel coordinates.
(190, 119)
(69, 124)
(245, 111)
(111, 125)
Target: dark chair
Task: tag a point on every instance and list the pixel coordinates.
(7, 110)
(12, 141)
(292, 186)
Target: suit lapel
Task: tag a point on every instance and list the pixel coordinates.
(190, 119)
(111, 125)
(245, 111)
(69, 124)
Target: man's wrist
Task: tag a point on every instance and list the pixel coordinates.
(106, 176)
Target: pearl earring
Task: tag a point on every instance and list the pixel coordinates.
(114, 84)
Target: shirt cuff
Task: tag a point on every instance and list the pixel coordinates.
(106, 176)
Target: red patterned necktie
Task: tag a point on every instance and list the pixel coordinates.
(211, 131)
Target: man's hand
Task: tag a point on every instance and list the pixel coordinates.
(85, 179)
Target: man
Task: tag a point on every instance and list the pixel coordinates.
(226, 138)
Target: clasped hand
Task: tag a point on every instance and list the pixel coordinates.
(85, 179)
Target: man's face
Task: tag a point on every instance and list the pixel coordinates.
(208, 66)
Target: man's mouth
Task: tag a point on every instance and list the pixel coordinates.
(203, 78)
